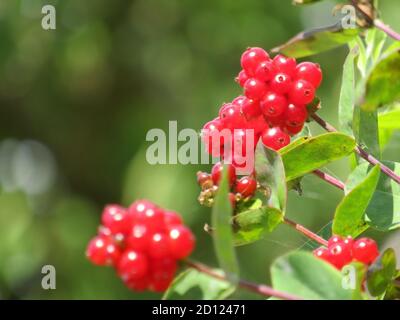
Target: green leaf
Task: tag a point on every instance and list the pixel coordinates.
(383, 83)
(383, 211)
(252, 225)
(349, 216)
(365, 127)
(315, 152)
(271, 175)
(301, 2)
(194, 285)
(302, 274)
(318, 40)
(223, 236)
(389, 120)
(382, 273)
(347, 93)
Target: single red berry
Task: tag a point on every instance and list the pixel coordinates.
(340, 255)
(291, 131)
(159, 246)
(264, 71)
(151, 217)
(232, 200)
(334, 240)
(138, 285)
(285, 64)
(281, 83)
(275, 138)
(302, 92)
(322, 253)
(216, 172)
(310, 72)
(132, 265)
(251, 58)
(295, 115)
(102, 251)
(139, 237)
(239, 100)
(241, 78)
(258, 124)
(212, 136)
(231, 116)
(246, 186)
(349, 241)
(181, 242)
(162, 274)
(273, 105)
(255, 89)
(115, 218)
(365, 250)
(171, 218)
(250, 108)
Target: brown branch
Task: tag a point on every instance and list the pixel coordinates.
(328, 178)
(308, 233)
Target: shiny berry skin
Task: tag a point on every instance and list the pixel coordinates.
(241, 78)
(132, 265)
(275, 138)
(340, 255)
(251, 58)
(295, 115)
(139, 237)
(264, 71)
(171, 218)
(216, 173)
(181, 242)
(159, 246)
(322, 253)
(152, 218)
(114, 217)
(239, 100)
(281, 83)
(365, 250)
(211, 134)
(231, 116)
(310, 72)
(246, 186)
(250, 109)
(273, 105)
(285, 64)
(255, 89)
(302, 92)
(291, 131)
(334, 240)
(103, 251)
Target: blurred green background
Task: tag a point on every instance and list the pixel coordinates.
(76, 104)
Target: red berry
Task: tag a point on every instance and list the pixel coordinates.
(322, 253)
(246, 186)
(216, 172)
(258, 125)
(133, 265)
(250, 108)
(302, 92)
(172, 218)
(264, 71)
(138, 285)
(281, 83)
(239, 100)
(114, 217)
(275, 138)
(104, 231)
(232, 200)
(251, 58)
(151, 217)
(139, 237)
(241, 78)
(212, 137)
(255, 89)
(162, 273)
(293, 130)
(334, 240)
(365, 250)
(102, 251)
(159, 246)
(295, 115)
(340, 255)
(181, 242)
(285, 64)
(310, 72)
(273, 105)
(231, 116)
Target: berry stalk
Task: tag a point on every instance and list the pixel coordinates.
(260, 289)
(328, 178)
(362, 153)
(308, 233)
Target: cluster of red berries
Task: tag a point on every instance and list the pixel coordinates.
(242, 188)
(342, 251)
(276, 92)
(143, 243)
